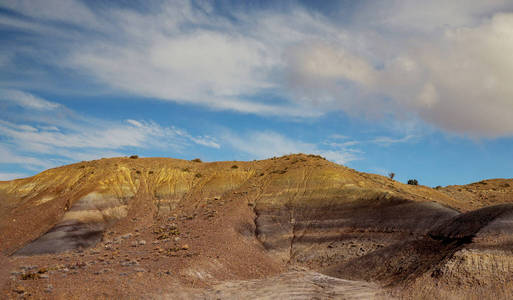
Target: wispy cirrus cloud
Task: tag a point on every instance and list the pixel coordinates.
(42, 142)
(443, 63)
(11, 176)
(26, 100)
(387, 141)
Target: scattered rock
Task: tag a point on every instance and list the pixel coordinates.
(19, 289)
(29, 276)
(140, 270)
(126, 236)
(127, 263)
(142, 242)
(102, 271)
(48, 289)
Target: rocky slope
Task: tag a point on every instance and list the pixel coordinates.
(482, 193)
(158, 226)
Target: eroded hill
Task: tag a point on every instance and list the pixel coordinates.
(175, 227)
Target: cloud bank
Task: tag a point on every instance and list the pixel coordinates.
(447, 64)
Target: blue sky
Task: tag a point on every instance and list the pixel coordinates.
(419, 88)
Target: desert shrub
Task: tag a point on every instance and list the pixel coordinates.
(235, 167)
(197, 160)
(134, 156)
(413, 182)
(391, 175)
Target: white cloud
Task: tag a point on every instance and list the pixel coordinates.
(422, 17)
(26, 100)
(70, 11)
(446, 63)
(43, 141)
(206, 141)
(458, 80)
(11, 176)
(8, 157)
(387, 141)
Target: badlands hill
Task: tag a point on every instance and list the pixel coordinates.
(297, 226)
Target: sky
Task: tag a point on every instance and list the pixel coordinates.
(422, 89)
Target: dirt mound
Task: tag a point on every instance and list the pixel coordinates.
(177, 226)
(83, 199)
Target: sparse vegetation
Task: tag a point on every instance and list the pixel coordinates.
(235, 167)
(186, 169)
(413, 182)
(134, 156)
(197, 160)
(391, 175)
(198, 175)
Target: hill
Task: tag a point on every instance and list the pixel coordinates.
(152, 226)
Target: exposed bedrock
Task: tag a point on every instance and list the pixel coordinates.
(469, 255)
(81, 226)
(320, 236)
(296, 285)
